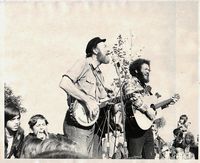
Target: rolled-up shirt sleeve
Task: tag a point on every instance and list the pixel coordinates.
(75, 71)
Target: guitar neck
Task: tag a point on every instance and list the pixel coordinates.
(128, 96)
(161, 104)
(118, 99)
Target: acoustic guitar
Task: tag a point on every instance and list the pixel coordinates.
(142, 119)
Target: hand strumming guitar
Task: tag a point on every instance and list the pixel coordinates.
(143, 108)
(92, 107)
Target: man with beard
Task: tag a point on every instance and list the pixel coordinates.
(84, 82)
(140, 142)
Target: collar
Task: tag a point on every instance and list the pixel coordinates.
(8, 134)
(144, 85)
(138, 81)
(94, 63)
(147, 88)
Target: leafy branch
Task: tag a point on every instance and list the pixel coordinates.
(11, 100)
(124, 57)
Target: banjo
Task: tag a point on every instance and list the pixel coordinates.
(80, 114)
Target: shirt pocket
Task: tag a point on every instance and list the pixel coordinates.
(88, 85)
(90, 81)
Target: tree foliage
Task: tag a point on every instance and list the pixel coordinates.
(123, 53)
(12, 100)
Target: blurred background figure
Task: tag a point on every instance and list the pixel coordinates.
(158, 141)
(179, 153)
(49, 148)
(165, 152)
(183, 123)
(172, 152)
(190, 147)
(30, 148)
(178, 138)
(61, 154)
(53, 144)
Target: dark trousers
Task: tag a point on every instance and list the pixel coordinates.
(140, 143)
(141, 147)
(82, 136)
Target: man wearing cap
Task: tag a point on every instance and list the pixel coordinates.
(84, 82)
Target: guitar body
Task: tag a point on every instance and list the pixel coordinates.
(82, 116)
(142, 120)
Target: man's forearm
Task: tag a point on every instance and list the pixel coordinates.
(68, 86)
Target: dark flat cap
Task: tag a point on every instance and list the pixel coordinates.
(93, 43)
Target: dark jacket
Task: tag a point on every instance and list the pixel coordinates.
(16, 145)
(193, 149)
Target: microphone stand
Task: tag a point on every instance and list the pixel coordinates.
(117, 66)
(108, 134)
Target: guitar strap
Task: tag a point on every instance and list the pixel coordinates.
(85, 70)
(98, 79)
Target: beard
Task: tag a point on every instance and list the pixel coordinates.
(143, 78)
(105, 59)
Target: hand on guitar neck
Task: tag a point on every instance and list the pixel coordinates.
(145, 110)
(174, 99)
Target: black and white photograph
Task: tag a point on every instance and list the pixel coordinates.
(99, 80)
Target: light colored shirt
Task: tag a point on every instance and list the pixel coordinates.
(87, 76)
(10, 142)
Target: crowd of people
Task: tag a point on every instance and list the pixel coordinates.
(183, 146)
(84, 130)
(37, 144)
(42, 144)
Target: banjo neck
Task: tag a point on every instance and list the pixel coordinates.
(118, 99)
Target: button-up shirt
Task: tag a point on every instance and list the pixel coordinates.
(87, 76)
(133, 85)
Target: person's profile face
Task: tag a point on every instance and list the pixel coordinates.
(102, 53)
(144, 71)
(103, 48)
(14, 123)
